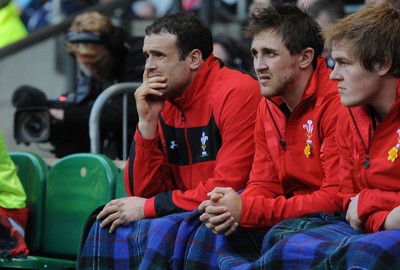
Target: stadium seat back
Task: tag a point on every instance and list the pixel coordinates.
(76, 185)
(32, 171)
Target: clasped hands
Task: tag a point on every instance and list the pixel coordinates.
(392, 221)
(222, 212)
(120, 211)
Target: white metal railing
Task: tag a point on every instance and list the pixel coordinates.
(95, 115)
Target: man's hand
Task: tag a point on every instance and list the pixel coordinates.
(149, 103)
(392, 221)
(223, 211)
(352, 215)
(57, 114)
(120, 211)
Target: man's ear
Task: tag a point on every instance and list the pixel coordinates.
(195, 59)
(384, 67)
(306, 57)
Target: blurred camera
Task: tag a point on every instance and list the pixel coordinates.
(32, 124)
(32, 119)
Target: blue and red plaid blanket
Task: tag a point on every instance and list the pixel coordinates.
(181, 241)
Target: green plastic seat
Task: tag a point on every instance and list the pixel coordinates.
(120, 190)
(32, 171)
(76, 185)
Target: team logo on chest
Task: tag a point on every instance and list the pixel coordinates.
(309, 129)
(393, 153)
(204, 139)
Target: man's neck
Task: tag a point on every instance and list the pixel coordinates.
(295, 91)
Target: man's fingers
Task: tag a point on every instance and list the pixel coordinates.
(232, 229)
(219, 219)
(215, 197)
(205, 217)
(115, 225)
(218, 190)
(225, 226)
(109, 220)
(215, 210)
(202, 207)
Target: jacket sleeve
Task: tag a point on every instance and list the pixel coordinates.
(149, 171)
(263, 166)
(260, 212)
(374, 205)
(233, 162)
(348, 186)
(375, 221)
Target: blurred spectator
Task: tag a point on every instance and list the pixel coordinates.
(265, 3)
(144, 10)
(233, 52)
(258, 4)
(106, 55)
(40, 13)
(326, 12)
(305, 4)
(395, 3)
(11, 27)
(13, 211)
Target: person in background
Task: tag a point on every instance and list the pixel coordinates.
(13, 210)
(305, 4)
(195, 132)
(325, 12)
(294, 172)
(106, 55)
(144, 10)
(394, 3)
(12, 28)
(367, 70)
(232, 52)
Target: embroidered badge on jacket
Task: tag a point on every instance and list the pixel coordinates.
(393, 153)
(309, 129)
(204, 139)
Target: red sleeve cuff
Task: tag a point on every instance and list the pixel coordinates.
(149, 211)
(375, 221)
(145, 143)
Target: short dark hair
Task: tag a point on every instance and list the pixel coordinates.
(298, 29)
(191, 33)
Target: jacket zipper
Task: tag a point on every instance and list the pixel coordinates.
(183, 119)
(281, 139)
(366, 162)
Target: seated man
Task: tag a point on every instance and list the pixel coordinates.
(294, 172)
(367, 55)
(195, 132)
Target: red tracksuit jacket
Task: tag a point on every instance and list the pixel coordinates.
(366, 166)
(286, 180)
(205, 140)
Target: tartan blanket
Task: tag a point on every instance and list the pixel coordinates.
(180, 241)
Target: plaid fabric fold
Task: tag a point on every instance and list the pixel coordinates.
(327, 242)
(181, 241)
(142, 244)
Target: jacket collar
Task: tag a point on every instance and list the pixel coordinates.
(313, 84)
(196, 88)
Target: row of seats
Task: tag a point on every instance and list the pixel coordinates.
(60, 199)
